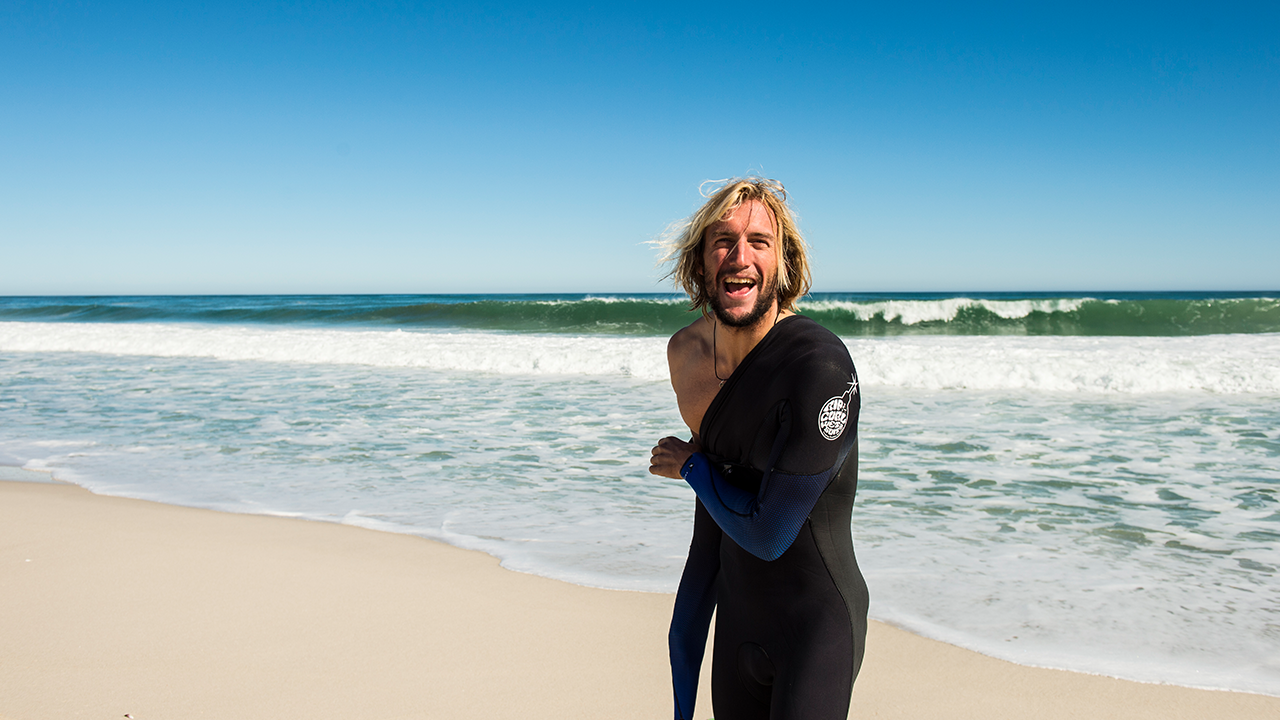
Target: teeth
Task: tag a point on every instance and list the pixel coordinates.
(736, 281)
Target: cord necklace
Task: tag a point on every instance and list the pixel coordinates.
(715, 362)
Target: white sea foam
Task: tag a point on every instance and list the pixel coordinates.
(913, 312)
(645, 299)
(1226, 364)
(500, 353)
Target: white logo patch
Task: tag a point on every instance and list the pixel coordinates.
(834, 415)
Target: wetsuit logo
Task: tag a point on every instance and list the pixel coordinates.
(834, 415)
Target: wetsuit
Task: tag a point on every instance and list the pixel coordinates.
(772, 543)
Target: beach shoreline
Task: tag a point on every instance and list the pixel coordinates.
(118, 606)
(1071, 492)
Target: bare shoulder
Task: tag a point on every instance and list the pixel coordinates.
(692, 374)
(688, 348)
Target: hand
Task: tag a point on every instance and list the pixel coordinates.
(669, 455)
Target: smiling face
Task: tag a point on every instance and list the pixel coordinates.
(740, 265)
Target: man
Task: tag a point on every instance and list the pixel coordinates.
(772, 401)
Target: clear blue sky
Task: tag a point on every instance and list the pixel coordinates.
(459, 147)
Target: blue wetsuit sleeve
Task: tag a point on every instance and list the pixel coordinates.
(764, 524)
(695, 601)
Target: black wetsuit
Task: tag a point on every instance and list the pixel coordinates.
(772, 543)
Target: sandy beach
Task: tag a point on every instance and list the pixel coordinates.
(115, 607)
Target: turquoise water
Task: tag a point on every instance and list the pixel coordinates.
(1097, 501)
(846, 314)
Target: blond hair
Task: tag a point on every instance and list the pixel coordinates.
(682, 243)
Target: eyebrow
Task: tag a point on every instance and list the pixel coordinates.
(715, 234)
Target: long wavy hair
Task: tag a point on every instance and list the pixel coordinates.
(682, 243)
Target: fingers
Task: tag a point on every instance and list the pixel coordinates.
(658, 460)
(668, 456)
(674, 444)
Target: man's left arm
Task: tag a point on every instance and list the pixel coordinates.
(817, 423)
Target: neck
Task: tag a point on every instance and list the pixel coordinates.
(732, 344)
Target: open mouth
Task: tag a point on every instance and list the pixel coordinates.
(737, 287)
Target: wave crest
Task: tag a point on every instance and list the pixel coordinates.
(649, 315)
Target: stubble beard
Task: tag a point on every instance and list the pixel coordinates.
(764, 302)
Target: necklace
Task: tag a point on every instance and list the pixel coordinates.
(715, 361)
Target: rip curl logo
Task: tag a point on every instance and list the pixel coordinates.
(834, 415)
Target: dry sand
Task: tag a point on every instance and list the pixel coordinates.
(111, 607)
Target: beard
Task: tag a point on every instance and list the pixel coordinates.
(764, 301)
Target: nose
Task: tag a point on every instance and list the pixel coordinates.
(738, 254)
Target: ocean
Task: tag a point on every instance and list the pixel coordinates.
(1068, 480)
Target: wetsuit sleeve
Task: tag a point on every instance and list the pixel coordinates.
(767, 522)
(695, 601)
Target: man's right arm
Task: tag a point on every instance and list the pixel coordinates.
(684, 355)
(688, 361)
(696, 598)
